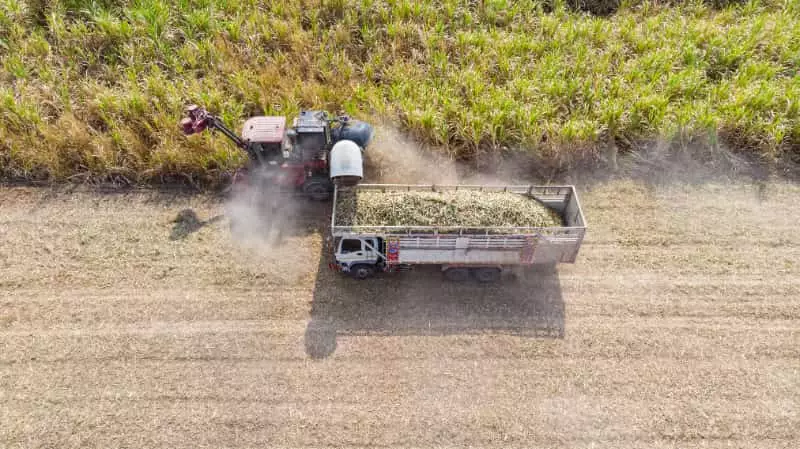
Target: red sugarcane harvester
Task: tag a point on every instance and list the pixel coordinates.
(313, 155)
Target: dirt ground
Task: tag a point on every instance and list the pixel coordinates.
(679, 326)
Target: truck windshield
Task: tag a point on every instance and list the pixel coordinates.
(351, 245)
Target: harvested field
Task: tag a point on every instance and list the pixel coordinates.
(679, 327)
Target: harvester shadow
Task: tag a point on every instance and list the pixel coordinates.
(422, 303)
(187, 222)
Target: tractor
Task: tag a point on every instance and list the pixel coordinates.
(317, 152)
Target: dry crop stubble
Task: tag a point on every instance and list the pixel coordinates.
(680, 328)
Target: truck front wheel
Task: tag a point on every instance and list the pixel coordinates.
(362, 271)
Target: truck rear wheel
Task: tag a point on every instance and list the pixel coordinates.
(362, 271)
(486, 275)
(456, 274)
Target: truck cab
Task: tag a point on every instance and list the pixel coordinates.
(361, 256)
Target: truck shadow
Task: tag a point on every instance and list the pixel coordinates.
(528, 303)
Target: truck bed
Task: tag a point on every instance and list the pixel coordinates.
(561, 199)
(480, 246)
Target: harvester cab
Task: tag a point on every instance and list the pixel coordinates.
(312, 155)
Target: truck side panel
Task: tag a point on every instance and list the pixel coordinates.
(458, 257)
(485, 250)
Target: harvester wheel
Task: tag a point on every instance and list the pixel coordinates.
(487, 275)
(362, 271)
(544, 268)
(317, 191)
(456, 274)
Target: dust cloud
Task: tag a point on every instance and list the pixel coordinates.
(261, 216)
(394, 157)
(694, 162)
(272, 231)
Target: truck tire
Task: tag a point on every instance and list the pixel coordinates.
(487, 275)
(456, 274)
(362, 271)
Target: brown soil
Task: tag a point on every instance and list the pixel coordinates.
(137, 320)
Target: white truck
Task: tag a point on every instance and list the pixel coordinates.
(484, 253)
